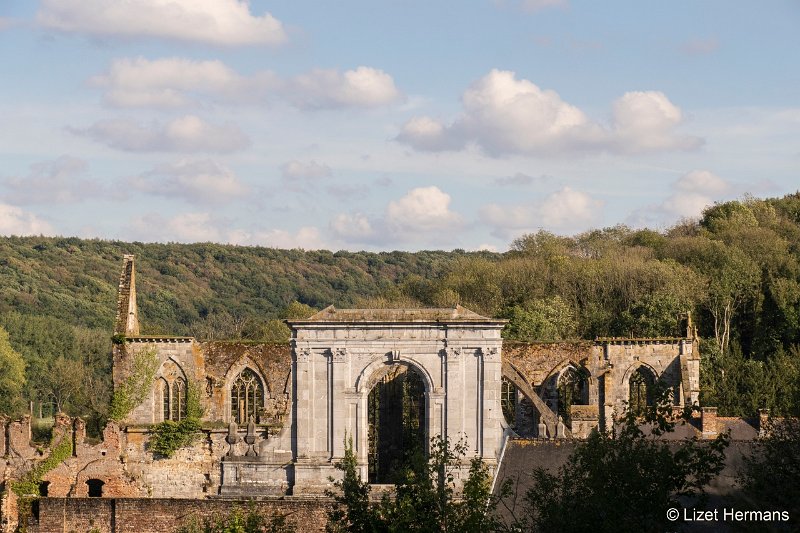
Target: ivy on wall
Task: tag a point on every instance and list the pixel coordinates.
(136, 386)
(169, 436)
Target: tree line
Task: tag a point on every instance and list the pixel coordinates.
(735, 271)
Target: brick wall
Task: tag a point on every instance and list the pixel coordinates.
(156, 515)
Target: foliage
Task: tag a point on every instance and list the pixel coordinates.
(632, 464)
(134, 389)
(737, 270)
(28, 485)
(169, 436)
(771, 476)
(12, 376)
(239, 522)
(424, 499)
(543, 319)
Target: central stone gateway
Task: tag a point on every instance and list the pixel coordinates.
(355, 371)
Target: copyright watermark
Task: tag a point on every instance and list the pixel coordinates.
(726, 514)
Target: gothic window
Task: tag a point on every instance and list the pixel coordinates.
(641, 385)
(173, 399)
(247, 397)
(508, 401)
(573, 389)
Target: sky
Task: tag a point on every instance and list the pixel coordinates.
(391, 125)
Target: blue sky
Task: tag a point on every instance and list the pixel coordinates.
(389, 125)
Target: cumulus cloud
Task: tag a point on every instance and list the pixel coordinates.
(693, 192)
(645, 121)
(505, 115)
(15, 221)
(219, 22)
(179, 82)
(194, 181)
(566, 210)
(423, 214)
(422, 209)
(329, 89)
(355, 227)
(57, 181)
(184, 134)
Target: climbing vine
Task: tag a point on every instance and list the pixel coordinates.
(136, 386)
(169, 436)
(28, 485)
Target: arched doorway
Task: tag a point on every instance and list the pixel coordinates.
(396, 418)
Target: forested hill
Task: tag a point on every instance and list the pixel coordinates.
(181, 287)
(736, 270)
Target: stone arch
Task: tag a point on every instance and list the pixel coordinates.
(396, 396)
(378, 368)
(646, 377)
(243, 367)
(545, 413)
(169, 403)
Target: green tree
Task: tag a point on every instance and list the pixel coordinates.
(425, 498)
(550, 319)
(629, 464)
(12, 377)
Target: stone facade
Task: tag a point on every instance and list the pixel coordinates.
(304, 401)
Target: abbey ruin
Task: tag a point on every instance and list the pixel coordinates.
(277, 417)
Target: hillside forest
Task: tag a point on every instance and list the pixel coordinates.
(735, 271)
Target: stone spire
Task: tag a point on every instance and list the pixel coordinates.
(127, 322)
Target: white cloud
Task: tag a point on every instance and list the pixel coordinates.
(178, 82)
(353, 227)
(422, 209)
(298, 170)
(645, 121)
(504, 115)
(195, 181)
(327, 89)
(183, 227)
(422, 215)
(220, 22)
(306, 238)
(58, 181)
(565, 210)
(693, 192)
(184, 134)
(15, 221)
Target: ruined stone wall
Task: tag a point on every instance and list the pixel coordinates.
(156, 515)
(211, 366)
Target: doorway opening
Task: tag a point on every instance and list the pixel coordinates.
(396, 417)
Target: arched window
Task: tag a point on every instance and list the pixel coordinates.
(508, 401)
(173, 399)
(641, 385)
(573, 389)
(247, 397)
